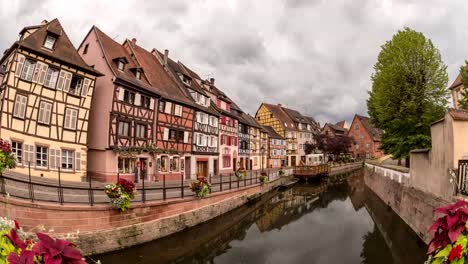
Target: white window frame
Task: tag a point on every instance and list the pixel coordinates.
(71, 118)
(51, 77)
(28, 70)
(50, 42)
(17, 150)
(41, 161)
(177, 110)
(44, 113)
(67, 160)
(21, 102)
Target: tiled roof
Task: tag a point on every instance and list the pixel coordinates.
(341, 123)
(63, 51)
(457, 82)
(2, 71)
(271, 132)
(374, 132)
(251, 120)
(334, 127)
(458, 114)
(113, 50)
(157, 75)
(281, 115)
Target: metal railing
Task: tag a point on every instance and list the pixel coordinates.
(462, 177)
(92, 192)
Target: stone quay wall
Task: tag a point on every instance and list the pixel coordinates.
(414, 206)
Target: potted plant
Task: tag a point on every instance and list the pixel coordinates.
(17, 248)
(449, 244)
(7, 160)
(241, 173)
(121, 194)
(263, 178)
(200, 187)
(281, 172)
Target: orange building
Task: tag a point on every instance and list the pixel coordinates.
(366, 138)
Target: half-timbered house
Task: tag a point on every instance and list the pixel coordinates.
(276, 117)
(205, 152)
(254, 162)
(175, 116)
(122, 124)
(276, 149)
(304, 132)
(46, 97)
(244, 141)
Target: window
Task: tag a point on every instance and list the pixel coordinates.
(175, 164)
(85, 51)
(162, 106)
(49, 42)
(367, 145)
(356, 127)
(45, 109)
(138, 75)
(140, 131)
(178, 110)
(71, 116)
(67, 159)
(121, 65)
(176, 135)
(145, 102)
(20, 106)
(76, 84)
(227, 161)
(357, 146)
(126, 165)
(164, 163)
(123, 128)
(17, 149)
(129, 97)
(51, 77)
(28, 70)
(41, 156)
(168, 108)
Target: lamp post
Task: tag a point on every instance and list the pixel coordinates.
(262, 150)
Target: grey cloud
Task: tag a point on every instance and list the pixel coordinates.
(314, 56)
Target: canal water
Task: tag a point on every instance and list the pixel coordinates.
(336, 220)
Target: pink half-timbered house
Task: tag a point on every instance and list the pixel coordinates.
(122, 124)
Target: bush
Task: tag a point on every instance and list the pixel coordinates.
(7, 160)
(200, 187)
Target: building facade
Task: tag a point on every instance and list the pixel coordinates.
(304, 132)
(46, 97)
(244, 143)
(276, 149)
(456, 90)
(255, 142)
(366, 138)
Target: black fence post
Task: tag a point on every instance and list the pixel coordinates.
(230, 182)
(60, 194)
(237, 182)
(182, 185)
(143, 195)
(209, 181)
(118, 175)
(245, 179)
(256, 176)
(250, 177)
(31, 187)
(220, 182)
(90, 192)
(2, 186)
(164, 186)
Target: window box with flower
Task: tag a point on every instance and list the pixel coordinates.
(121, 194)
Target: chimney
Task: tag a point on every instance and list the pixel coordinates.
(44, 22)
(166, 55)
(133, 42)
(212, 80)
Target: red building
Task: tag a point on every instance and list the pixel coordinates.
(366, 138)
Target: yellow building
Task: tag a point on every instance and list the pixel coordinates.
(277, 118)
(46, 97)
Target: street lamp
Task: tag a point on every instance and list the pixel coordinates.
(262, 150)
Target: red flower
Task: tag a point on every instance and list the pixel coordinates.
(56, 251)
(16, 224)
(455, 253)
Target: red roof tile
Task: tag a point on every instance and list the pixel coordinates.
(281, 115)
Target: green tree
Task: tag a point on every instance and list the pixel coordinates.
(463, 103)
(408, 92)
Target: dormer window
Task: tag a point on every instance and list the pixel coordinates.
(138, 75)
(185, 79)
(49, 42)
(121, 65)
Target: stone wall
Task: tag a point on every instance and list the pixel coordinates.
(414, 206)
(102, 229)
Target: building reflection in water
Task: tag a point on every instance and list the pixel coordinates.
(333, 221)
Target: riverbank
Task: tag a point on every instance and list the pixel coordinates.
(99, 228)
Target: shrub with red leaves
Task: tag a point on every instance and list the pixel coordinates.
(127, 186)
(448, 227)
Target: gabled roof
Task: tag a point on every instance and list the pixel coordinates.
(113, 50)
(374, 132)
(272, 133)
(458, 81)
(458, 114)
(250, 120)
(63, 52)
(341, 124)
(281, 115)
(157, 75)
(334, 127)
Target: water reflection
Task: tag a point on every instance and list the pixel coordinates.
(334, 221)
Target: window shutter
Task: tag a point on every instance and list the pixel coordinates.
(68, 77)
(26, 155)
(61, 80)
(52, 159)
(229, 140)
(151, 106)
(31, 154)
(37, 70)
(120, 96)
(19, 65)
(223, 120)
(84, 90)
(235, 140)
(215, 142)
(77, 161)
(166, 134)
(168, 108)
(186, 136)
(43, 73)
(137, 99)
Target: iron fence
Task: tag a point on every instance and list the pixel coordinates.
(462, 176)
(92, 192)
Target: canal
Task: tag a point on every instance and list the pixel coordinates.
(337, 220)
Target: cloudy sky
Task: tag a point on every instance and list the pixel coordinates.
(315, 56)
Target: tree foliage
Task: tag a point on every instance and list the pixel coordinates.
(408, 92)
(329, 145)
(463, 102)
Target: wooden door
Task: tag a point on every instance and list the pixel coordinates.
(187, 168)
